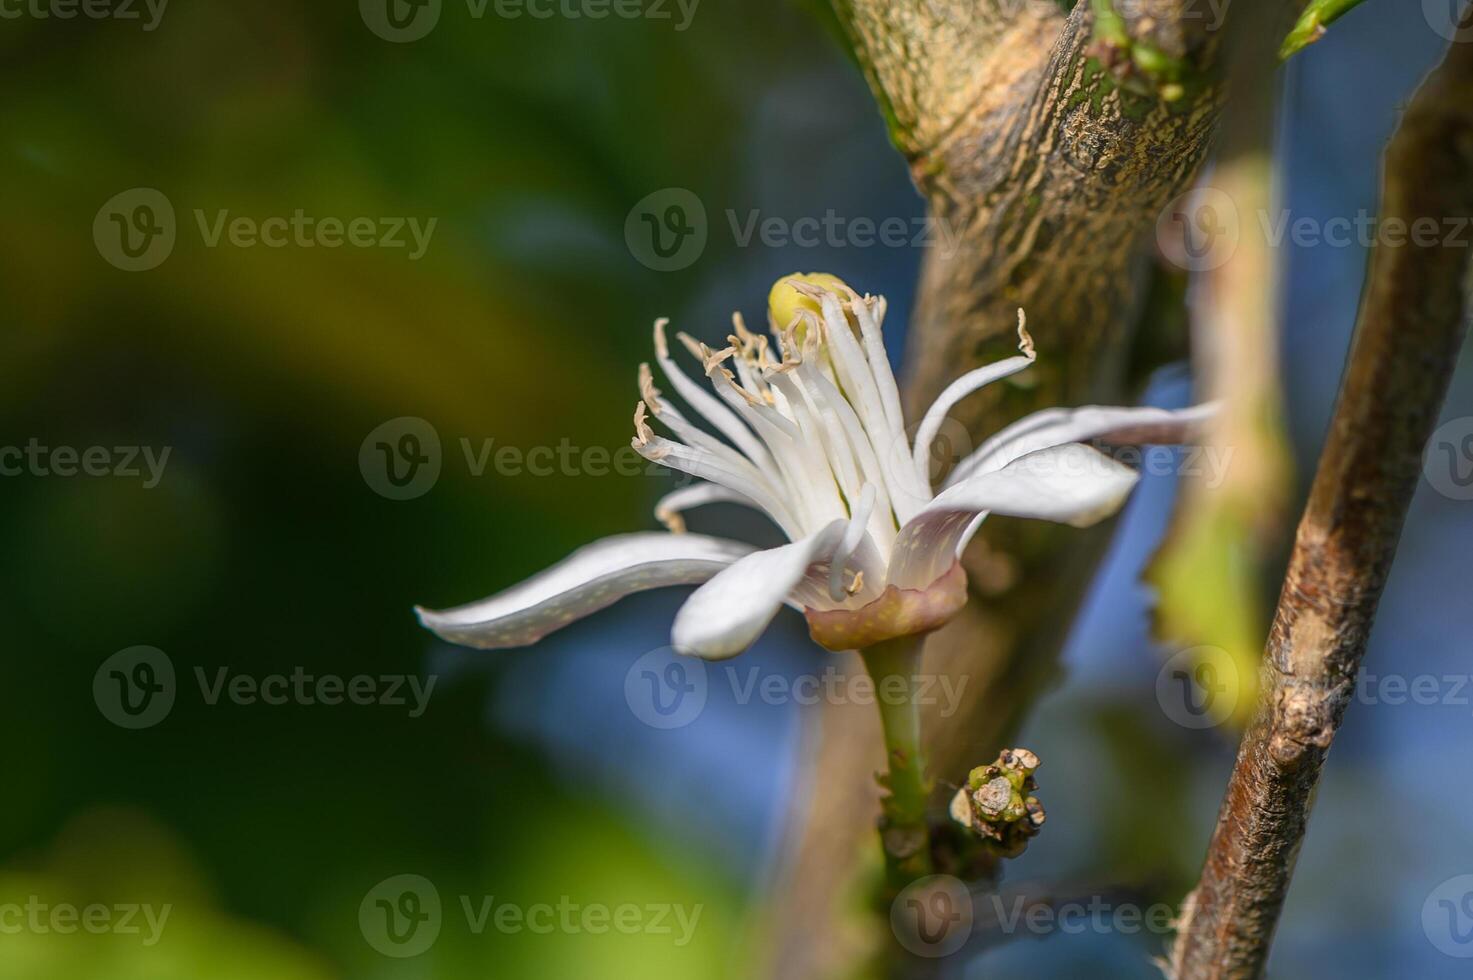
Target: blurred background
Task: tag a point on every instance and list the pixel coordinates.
(497, 299)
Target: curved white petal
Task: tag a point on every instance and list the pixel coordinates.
(705, 404)
(706, 466)
(948, 399)
(727, 614)
(1070, 484)
(870, 318)
(1057, 426)
(669, 508)
(594, 576)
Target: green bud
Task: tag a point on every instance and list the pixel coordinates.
(997, 803)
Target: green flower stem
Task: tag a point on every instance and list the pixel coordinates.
(1312, 23)
(903, 829)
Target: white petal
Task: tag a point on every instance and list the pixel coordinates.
(707, 466)
(727, 614)
(705, 404)
(960, 388)
(879, 362)
(1057, 426)
(856, 376)
(594, 576)
(669, 507)
(853, 535)
(1070, 484)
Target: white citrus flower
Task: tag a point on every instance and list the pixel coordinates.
(816, 440)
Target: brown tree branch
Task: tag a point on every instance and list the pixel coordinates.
(929, 64)
(1411, 325)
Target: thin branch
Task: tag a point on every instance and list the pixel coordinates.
(1312, 23)
(1412, 322)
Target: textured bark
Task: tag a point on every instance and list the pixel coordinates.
(1055, 188)
(1057, 196)
(1053, 178)
(1411, 324)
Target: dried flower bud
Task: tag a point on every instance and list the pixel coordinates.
(997, 803)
